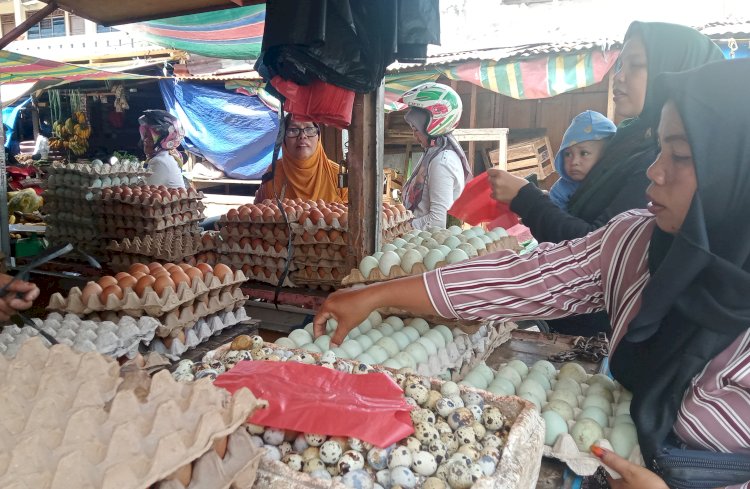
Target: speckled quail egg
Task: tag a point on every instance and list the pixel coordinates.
(470, 451)
(493, 418)
(315, 440)
(438, 450)
(330, 452)
(492, 452)
(460, 417)
(423, 463)
(400, 456)
(449, 389)
(412, 443)
(492, 441)
(313, 464)
(451, 443)
(383, 477)
(423, 416)
(293, 461)
(460, 476)
(479, 430)
(434, 483)
(403, 476)
(358, 479)
(445, 407)
(300, 443)
(465, 435)
(273, 436)
(426, 433)
(418, 392)
(476, 410)
(377, 458)
(351, 460)
(271, 452)
(310, 453)
(472, 398)
(442, 426)
(585, 433)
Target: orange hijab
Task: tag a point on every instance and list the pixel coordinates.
(312, 178)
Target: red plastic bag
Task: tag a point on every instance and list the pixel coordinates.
(313, 399)
(475, 205)
(317, 102)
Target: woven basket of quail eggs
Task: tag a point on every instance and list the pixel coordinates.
(579, 409)
(463, 437)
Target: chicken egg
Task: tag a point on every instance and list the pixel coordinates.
(194, 274)
(316, 215)
(162, 284)
(178, 276)
(154, 266)
(204, 268)
(321, 235)
(143, 282)
(221, 271)
(138, 267)
(127, 282)
(107, 281)
(114, 290)
(233, 215)
(92, 289)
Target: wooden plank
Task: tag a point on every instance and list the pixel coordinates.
(472, 124)
(365, 174)
(529, 347)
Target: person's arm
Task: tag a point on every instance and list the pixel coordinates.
(441, 181)
(553, 281)
(19, 297)
(551, 224)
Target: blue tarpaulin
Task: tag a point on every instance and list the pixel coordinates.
(233, 131)
(10, 114)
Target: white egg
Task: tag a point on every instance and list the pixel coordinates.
(500, 232)
(436, 338)
(469, 233)
(312, 347)
(378, 354)
(425, 234)
(451, 242)
(388, 345)
(352, 348)
(367, 265)
(365, 326)
(323, 342)
(420, 325)
(443, 249)
(377, 255)
(399, 242)
(401, 339)
(364, 341)
(422, 250)
(366, 358)
(485, 371)
(502, 387)
(286, 343)
(388, 247)
(340, 353)
(411, 332)
(445, 331)
(623, 438)
(386, 329)
(400, 252)
(354, 333)
(468, 249)
(456, 256)
(388, 261)
(406, 360)
(430, 243)
(409, 259)
(418, 352)
(554, 426)
(375, 318)
(416, 240)
(486, 238)
(374, 335)
(392, 363)
(454, 230)
(300, 337)
(477, 243)
(432, 258)
(310, 328)
(428, 345)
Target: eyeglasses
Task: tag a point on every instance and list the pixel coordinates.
(294, 132)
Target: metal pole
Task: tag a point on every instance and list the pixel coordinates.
(379, 114)
(4, 220)
(35, 18)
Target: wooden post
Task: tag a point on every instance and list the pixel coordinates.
(366, 142)
(35, 18)
(472, 125)
(610, 98)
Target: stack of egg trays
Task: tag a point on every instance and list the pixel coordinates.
(101, 426)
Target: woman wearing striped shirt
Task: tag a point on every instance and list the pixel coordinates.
(675, 280)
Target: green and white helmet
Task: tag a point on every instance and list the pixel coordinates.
(441, 101)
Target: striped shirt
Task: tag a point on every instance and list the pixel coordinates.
(605, 270)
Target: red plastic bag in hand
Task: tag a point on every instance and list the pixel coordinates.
(475, 205)
(313, 399)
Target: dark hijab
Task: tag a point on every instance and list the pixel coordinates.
(696, 302)
(669, 48)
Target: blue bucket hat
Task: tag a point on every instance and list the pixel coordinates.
(586, 126)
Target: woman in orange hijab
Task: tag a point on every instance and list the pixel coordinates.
(304, 171)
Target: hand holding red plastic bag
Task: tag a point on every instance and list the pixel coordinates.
(313, 399)
(475, 205)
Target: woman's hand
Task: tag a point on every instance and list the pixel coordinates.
(633, 476)
(504, 186)
(348, 307)
(19, 296)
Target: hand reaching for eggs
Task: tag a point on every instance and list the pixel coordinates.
(19, 296)
(351, 307)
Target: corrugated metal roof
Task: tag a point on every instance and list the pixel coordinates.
(726, 29)
(511, 52)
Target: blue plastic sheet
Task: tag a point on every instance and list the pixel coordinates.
(10, 115)
(235, 132)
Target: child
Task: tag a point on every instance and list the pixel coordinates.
(582, 146)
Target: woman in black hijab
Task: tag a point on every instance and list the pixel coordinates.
(617, 182)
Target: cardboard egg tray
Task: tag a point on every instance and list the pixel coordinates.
(327, 237)
(210, 240)
(190, 195)
(253, 246)
(267, 275)
(106, 337)
(319, 275)
(97, 170)
(150, 303)
(396, 232)
(68, 422)
(519, 465)
(324, 252)
(247, 221)
(110, 224)
(209, 257)
(238, 260)
(267, 232)
(122, 233)
(376, 275)
(160, 246)
(199, 332)
(151, 212)
(238, 469)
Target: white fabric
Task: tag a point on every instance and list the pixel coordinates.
(166, 171)
(445, 182)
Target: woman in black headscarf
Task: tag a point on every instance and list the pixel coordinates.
(675, 281)
(617, 182)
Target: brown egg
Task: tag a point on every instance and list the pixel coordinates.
(114, 290)
(204, 268)
(233, 215)
(268, 214)
(127, 282)
(221, 271)
(255, 214)
(160, 273)
(121, 275)
(316, 215)
(185, 267)
(138, 267)
(278, 246)
(257, 271)
(162, 284)
(143, 282)
(246, 268)
(178, 276)
(154, 266)
(194, 274)
(138, 275)
(321, 203)
(321, 235)
(245, 242)
(92, 289)
(333, 216)
(303, 217)
(334, 235)
(106, 281)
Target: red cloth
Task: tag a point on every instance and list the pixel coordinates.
(475, 205)
(317, 102)
(312, 399)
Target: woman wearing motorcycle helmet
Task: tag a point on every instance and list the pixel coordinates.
(440, 176)
(162, 133)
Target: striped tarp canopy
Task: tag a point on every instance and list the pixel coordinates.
(20, 68)
(232, 34)
(533, 78)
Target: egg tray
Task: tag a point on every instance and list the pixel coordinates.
(341, 239)
(267, 276)
(191, 228)
(314, 263)
(210, 240)
(244, 246)
(66, 424)
(324, 252)
(209, 257)
(389, 235)
(108, 338)
(150, 212)
(190, 195)
(72, 219)
(249, 222)
(88, 182)
(238, 468)
(376, 275)
(57, 168)
(121, 262)
(174, 249)
(327, 282)
(270, 233)
(199, 332)
(238, 260)
(150, 303)
(519, 465)
(110, 224)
